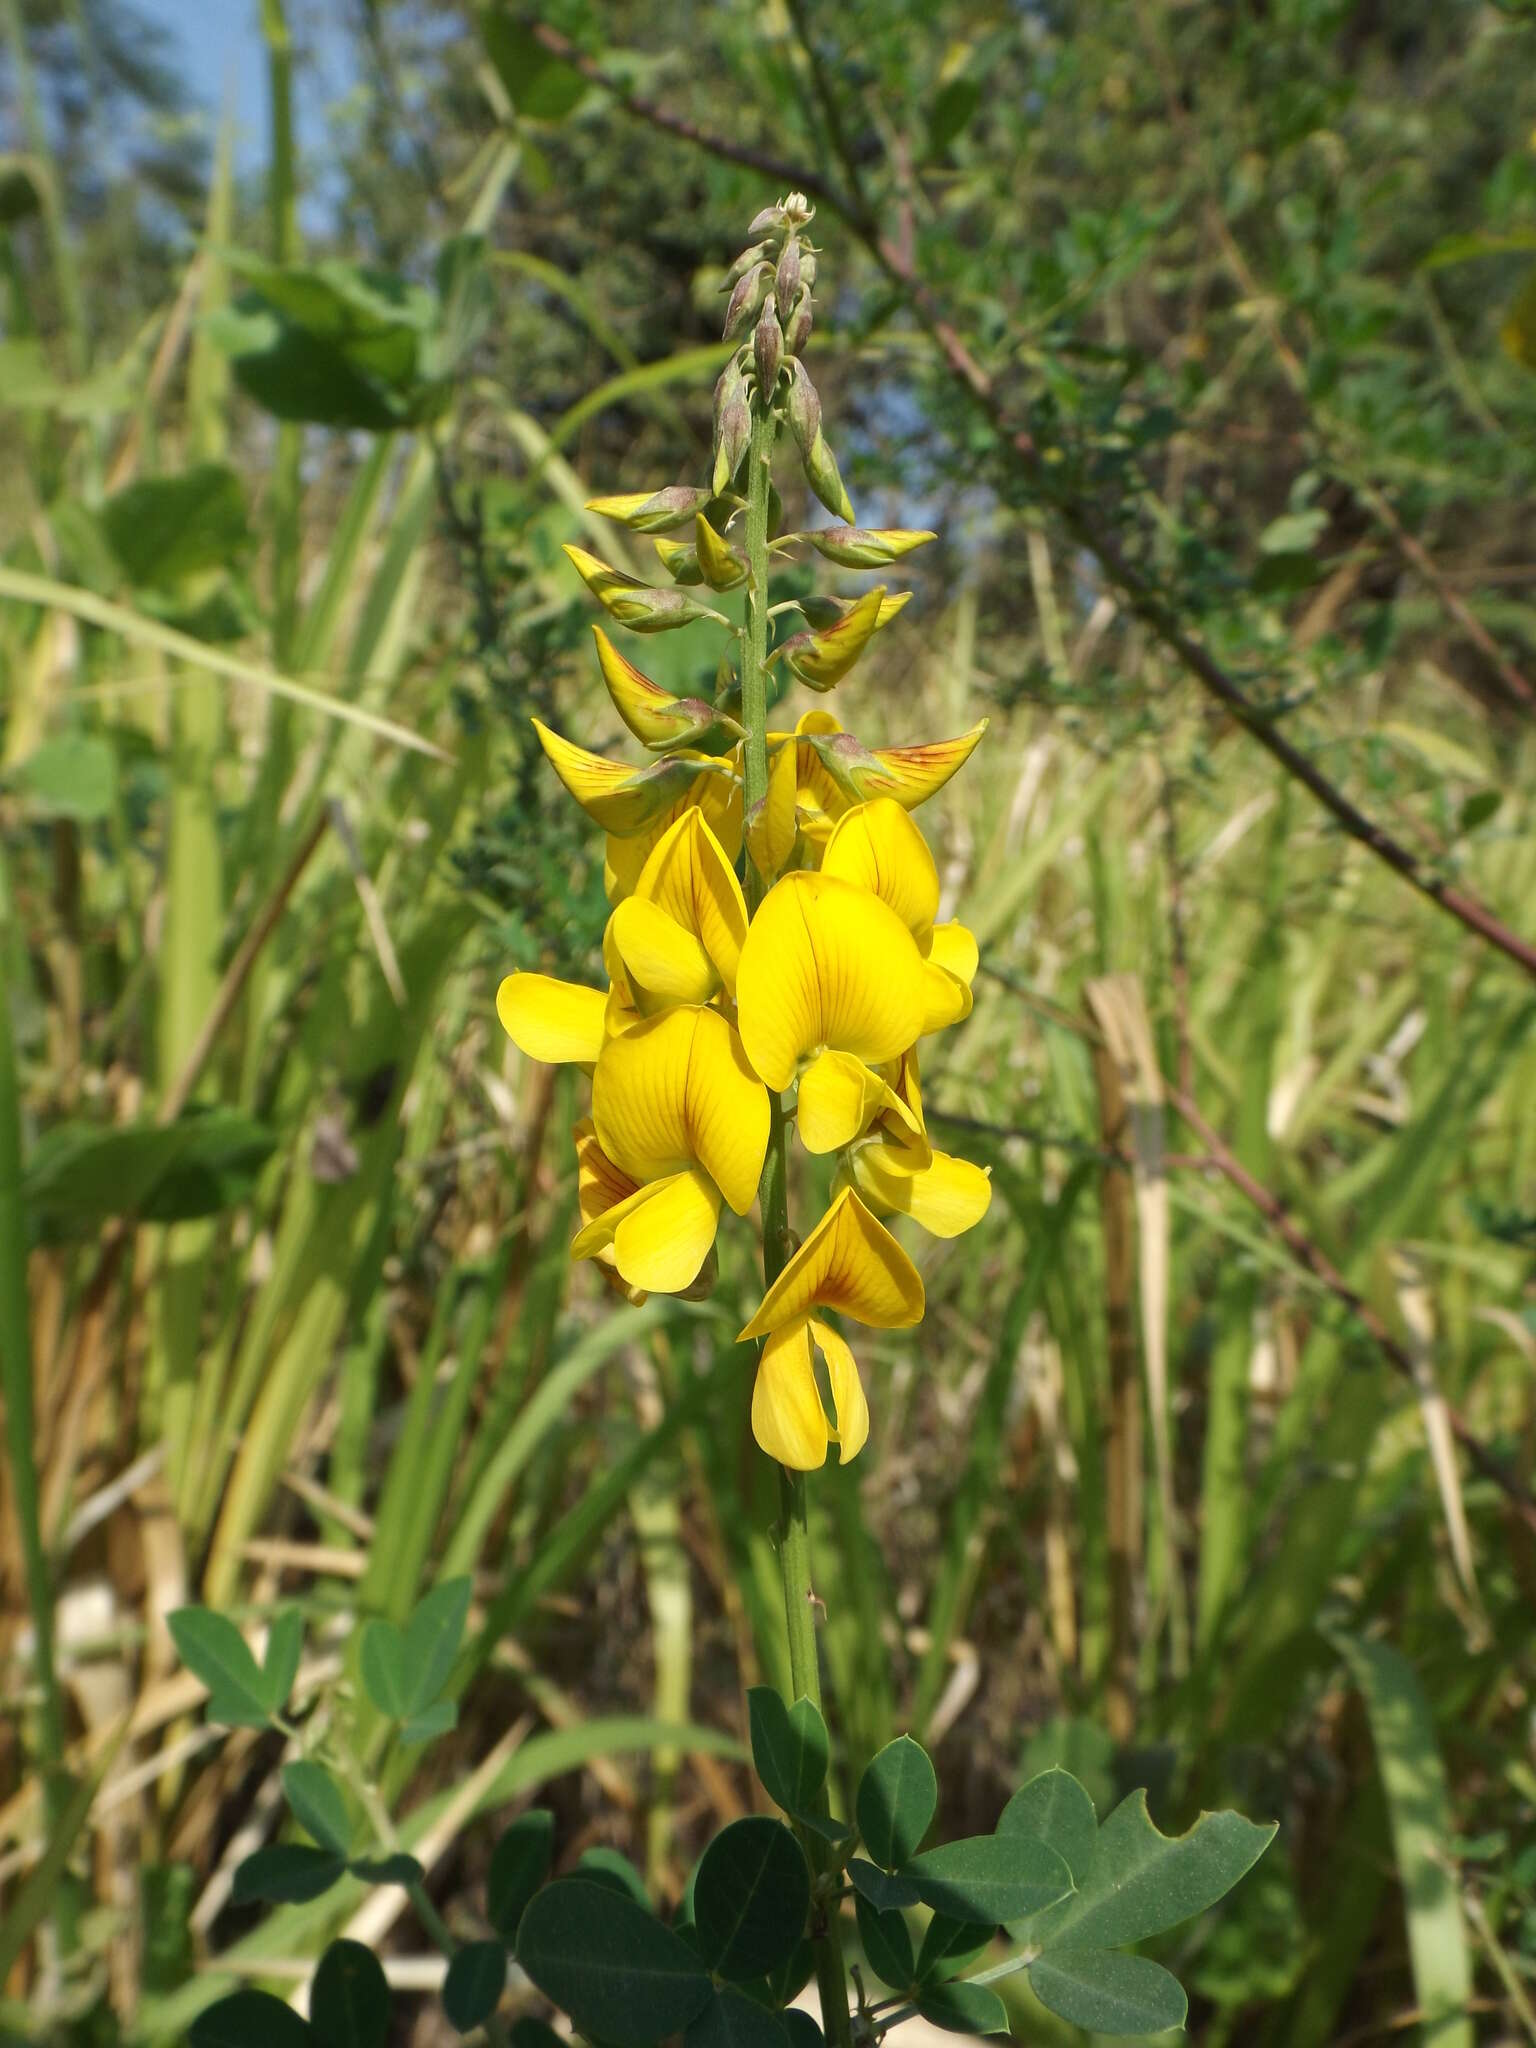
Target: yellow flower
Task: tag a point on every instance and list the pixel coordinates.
(831, 984)
(678, 1112)
(834, 771)
(653, 715)
(680, 934)
(558, 1022)
(849, 1263)
(622, 799)
(877, 847)
(899, 1174)
(717, 793)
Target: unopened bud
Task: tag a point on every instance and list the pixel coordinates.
(822, 657)
(767, 350)
(652, 511)
(797, 328)
(796, 209)
(721, 565)
(745, 300)
(821, 473)
(757, 253)
(803, 408)
(786, 278)
(733, 424)
(826, 611)
(863, 547)
(680, 561)
(808, 269)
(633, 603)
(760, 223)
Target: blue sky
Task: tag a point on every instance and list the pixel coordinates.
(218, 46)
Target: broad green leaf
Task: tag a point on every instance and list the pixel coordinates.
(790, 1748)
(80, 1175)
(953, 109)
(1057, 1811)
(214, 1650)
(431, 1722)
(285, 1646)
(250, 2019)
(622, 1977)
(782, 1985)
(318, 1804)
(542, 86)
(1423, 1835)
(802, 2029)
(1105, 1992)
(431, 1641)
(349, 1998)
(1139, 1882)
(163, 529)
(886, 1893)
(72, 776)
(887, 1944)
(949, 1944)
(602, 1865)
(962, 2008)
(382, 1661)
(990, 1878)
(752, 1898)
(396, 1869)
(897, 1796)
(520, 1863)
(528, 2032)
(1293, 533)
(476, 1978)
(731, 2019)
(286, 1873)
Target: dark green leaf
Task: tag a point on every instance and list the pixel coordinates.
(163, 529)
(280, 1667)
(540, 85)
(887, 1944)
(802, 2029)
(790, 1748)
(948, 1945)
(790, 1979)
(80, 1175)
(732, 2020)
(882, 1891)
(250, 2019)
(431, 1721)
(1139, 1881)
(528, 2032)
(519, 1865)
(896, 1800)
(431, 1642)
(953, 110)
(1479, 808)
(990, 1878)
(962, 2008)
(622, 1977)
(1106, 1992)
(397, 1869)
(752, 1898)
(214, 1650)
(349, 1999)
(1055, 1809)
(603, 1865)
(286, 1873)
(382, 1660)
(318, 1805)
(476, 1978)
(73, 776)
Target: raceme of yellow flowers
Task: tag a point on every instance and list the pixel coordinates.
(829, 985)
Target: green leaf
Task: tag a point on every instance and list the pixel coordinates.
(527, 2032)
(603, 1865)
(752, 1898)
(519, 1865)
(349, 1999)
(782, 1985)
(542, 86)
(953, 109)
(802, 2029)
(1057, 1811)
(285, 1646)
(622, 1977)
(790, 1748)
(887, 1944)
(1293, 533)
(962, 2008)
(396, 1869)
(886, 1893)
(1106, 1992)
(949, 1944)
(897, 1796)
(382, 1661)
(732, 2020)
(214, 1650)
(476, 1978)
(318, 1804)
(72, 776)
(1478, 808)
(431, 1641)
(1139, 1882)
(80, 1175)
(990, 1878)
(250, 2019)
(431, 1721)
(163, 529)
(286, 1873)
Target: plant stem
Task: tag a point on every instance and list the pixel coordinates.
(794, 1543)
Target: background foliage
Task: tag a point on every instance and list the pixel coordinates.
(1188, 328)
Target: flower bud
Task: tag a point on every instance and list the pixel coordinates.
(803, 408)
(824, 655)
(808, 269)
(680, 560)
(761, 223)
(826, 611)
(633, 603)
(733, 424)
(821, 473)
(745, 300)
(786, 278)
(863, 547)
(767, 350)
(796, 210)
(721, 565)
(797, 329)
(756, 254)
(655, 717)
(652, 511)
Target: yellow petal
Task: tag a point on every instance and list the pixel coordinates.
(690, 881)
(619, 798)
(552, 1020)
(822, 657)
(913, 774)
(946, 1197)
(660, 1235)
(652, 714)
(716, 792)
(954, 949)
(827, 965)
(849, 1262)
(848, 1402)
(788, 1419)
(675, 1092)
(663, 960)
(838, 1098)
(877, 847)
(771, 832)
(600, 1186)
(945, 999)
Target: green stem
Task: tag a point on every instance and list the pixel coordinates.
(794, 1542)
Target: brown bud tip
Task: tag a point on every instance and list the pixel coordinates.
(767, 350)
